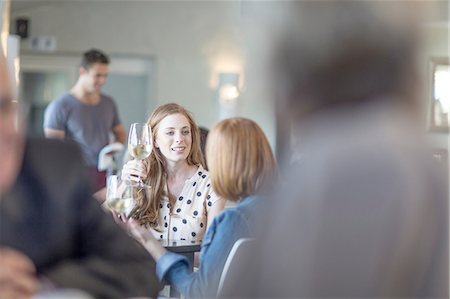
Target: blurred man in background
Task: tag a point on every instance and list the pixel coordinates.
(85, 115)
(52, 233)
(364, 214)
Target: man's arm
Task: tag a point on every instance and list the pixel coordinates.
(53, 133)
(119, 133)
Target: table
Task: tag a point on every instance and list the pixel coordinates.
(183, 247)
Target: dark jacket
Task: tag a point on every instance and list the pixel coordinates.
(50, 216)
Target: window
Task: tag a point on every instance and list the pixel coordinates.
(440, 94)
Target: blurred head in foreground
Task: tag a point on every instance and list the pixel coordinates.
(333, 55)
(11, 141)
(364, 193)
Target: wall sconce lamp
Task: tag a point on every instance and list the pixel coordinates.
(228, 88)
(228, 93)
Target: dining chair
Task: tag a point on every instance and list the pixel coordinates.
(241, 251)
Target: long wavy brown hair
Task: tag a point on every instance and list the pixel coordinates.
(146, 210)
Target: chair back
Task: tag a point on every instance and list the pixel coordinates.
(106, 157)
(241, 251)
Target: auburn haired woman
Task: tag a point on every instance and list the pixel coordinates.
(181, 202)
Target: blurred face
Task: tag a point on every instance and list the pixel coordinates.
(94, 77)
(10, 137)
(174, 138)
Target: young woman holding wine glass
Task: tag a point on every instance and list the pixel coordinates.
(177, 200)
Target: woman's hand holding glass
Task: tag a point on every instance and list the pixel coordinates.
(140, 144)
(134, 172)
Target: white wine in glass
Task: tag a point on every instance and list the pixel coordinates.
(117, 204)
(140, 143)
(140, 151)
(119, 197)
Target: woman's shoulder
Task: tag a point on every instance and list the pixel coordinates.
(201, 172)
(244, 208)
(228, 219)
(244, 214)
(201, 177)
(199, 187)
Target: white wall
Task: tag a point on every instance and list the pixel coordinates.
(186, 39)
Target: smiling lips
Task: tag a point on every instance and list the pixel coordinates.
(178, 148)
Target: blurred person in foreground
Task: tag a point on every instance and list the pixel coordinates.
(53, 235)
(242, 168)
(364, 214)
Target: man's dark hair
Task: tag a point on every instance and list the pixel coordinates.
(93, 56)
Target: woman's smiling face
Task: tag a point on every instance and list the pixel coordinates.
(174, 137)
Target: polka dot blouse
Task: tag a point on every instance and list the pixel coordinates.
(189, 215)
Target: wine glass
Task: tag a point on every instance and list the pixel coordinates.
(119, 196)
(140, 144)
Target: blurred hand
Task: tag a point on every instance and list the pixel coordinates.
(145, 237)
(121, 220)
(17, 275)
(134, 171)
(138, 232)
(100, 195)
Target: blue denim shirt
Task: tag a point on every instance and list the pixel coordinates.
(225, 230)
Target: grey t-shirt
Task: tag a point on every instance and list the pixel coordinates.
(88, 125)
